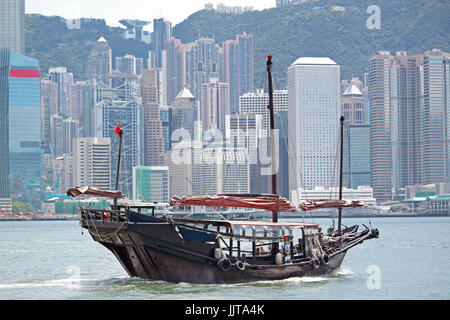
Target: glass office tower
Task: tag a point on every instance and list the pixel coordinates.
(20, 82)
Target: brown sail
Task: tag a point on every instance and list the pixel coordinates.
(308, 205)
(264, 202)
(75, 192)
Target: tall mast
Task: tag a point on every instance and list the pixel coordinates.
(119, 132)
(340, 172)
(272, 134)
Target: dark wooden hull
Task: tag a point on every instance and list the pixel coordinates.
(156, 251)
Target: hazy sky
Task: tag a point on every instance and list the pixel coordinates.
(113, 10)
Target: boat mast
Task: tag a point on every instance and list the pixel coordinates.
(119, 132)
(272, 134)
(340, 172)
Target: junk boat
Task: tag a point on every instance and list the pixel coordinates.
(211, 251)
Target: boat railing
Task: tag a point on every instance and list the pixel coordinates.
(104, 215)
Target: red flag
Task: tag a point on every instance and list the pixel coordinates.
(118, 131)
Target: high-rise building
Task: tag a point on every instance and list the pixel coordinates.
(408, 112)
(243, 131)
(282, 125)
(56, 135)
(257, 102)
(162, 31)
(20, 105)
(12, 25)
(174, 71)
(63, 177)
(434, 76)
(49, 90)
(121, 105)
(359, 156)
(237, 67)
(184, 162)
(63, 79)
(185, 112)
(215, 104)
(202, 62)
(165, 114)
(4, 130)
(353, 107)
(128, 64)
(45, 124)
(314, 113)
(99, 62)
(151, 183)
(92, 162)
(76, 100)
(70, 132)
(153, 132)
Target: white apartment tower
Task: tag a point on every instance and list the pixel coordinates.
(257, 102)
(314, 113)
(92, 162)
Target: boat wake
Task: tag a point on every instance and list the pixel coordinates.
(67, 283)
(343, 272)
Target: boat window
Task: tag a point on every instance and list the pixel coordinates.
(262, 231)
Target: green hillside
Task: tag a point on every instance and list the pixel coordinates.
(50, 41)
(311, 29)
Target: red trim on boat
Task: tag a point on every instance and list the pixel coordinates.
(272, 224)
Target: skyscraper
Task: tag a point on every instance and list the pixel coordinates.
(165, 114)
(353, 107)
(215, 104)
(121, 106)
(257, 102)
(126, 64)
(63, 79)
(56, 135)
(70, 132)
(237, 67)
(21, 126)
(202, 62)
(162, 31)
(408, 121)
(12, 25)
(92, 162)
(4, 130)
(49, 90)
(314, 112)
(359, 156)
(99, 62)
(185, 112)
(174, 71)
(282, 125)
(151, 183)
(153, 132)
(244, 131)
(76, 101)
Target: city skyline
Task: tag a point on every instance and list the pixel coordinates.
(213, 82)
(172, 10)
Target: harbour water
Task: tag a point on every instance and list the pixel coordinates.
(59, 260)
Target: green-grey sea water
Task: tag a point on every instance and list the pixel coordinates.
(57, 260)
